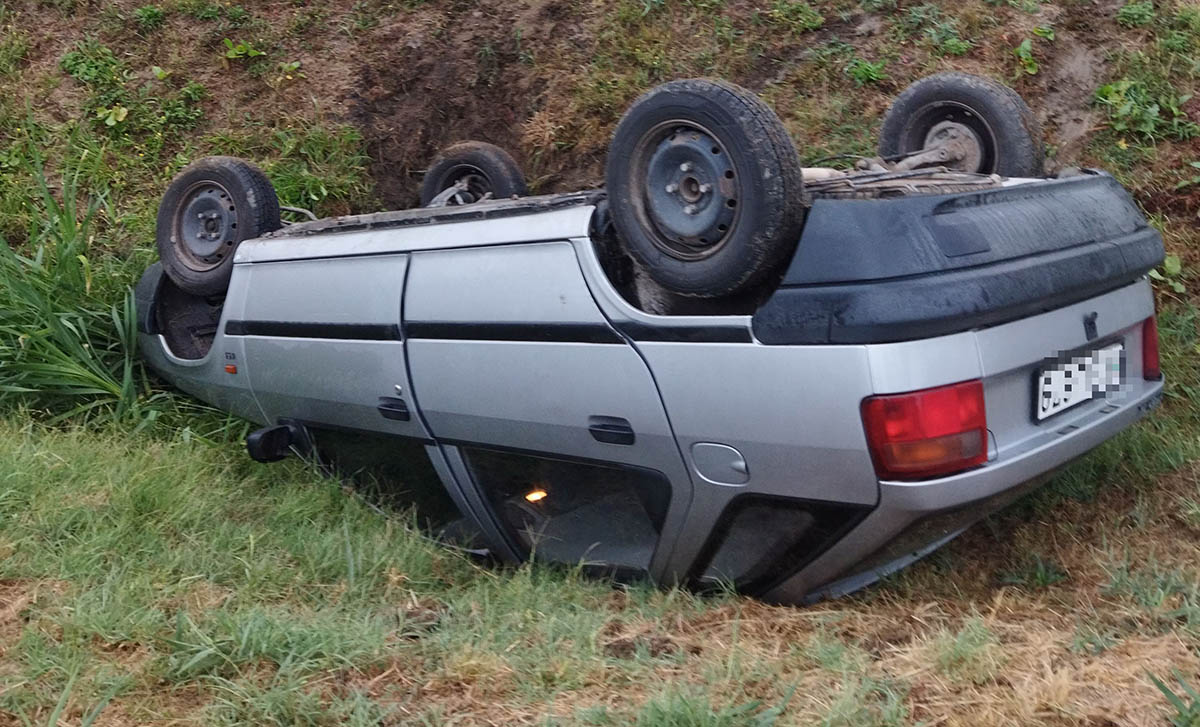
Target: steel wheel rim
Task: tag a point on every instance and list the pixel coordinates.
(931, 118)
(205, 225)
(686, 189)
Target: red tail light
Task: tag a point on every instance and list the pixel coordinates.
(926, 433)
(1151, 371)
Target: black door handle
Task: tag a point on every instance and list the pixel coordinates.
(392, 408)
(611, 430)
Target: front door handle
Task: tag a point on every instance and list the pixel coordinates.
(391, 407)
(611, 430)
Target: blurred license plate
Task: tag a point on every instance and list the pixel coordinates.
(1065, 384)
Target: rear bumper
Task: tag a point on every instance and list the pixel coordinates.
(912, 516)
(921, 266)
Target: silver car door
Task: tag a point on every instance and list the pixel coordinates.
(553, 415)
(323, 340)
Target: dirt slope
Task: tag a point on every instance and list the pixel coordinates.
(548, 80)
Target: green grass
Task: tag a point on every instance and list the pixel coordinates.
(159, 575)
(253, 584)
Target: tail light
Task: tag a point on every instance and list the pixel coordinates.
(926, 433)
(1151, 371)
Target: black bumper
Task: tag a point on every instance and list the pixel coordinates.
(877, 271)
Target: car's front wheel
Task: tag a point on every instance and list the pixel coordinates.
(208, 210)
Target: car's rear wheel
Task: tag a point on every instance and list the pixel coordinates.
(473, 170)
(704, 187)
(984, 125)
(208, 210)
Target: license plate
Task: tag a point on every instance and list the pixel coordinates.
(1069, 383)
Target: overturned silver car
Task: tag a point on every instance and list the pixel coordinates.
(720, 369)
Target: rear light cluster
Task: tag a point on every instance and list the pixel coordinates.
(1151, 371)
(926, 433)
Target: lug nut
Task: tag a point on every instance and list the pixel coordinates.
(685, 167)
(705, 188)
(672, 188)
(689, 209)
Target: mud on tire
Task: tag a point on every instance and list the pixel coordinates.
(481, 166)
(1008, 136)
(704, 187)
(208, 210)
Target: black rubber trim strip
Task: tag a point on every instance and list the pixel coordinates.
(542, 332)
(299, 329)
(313, 424)
(684, 334)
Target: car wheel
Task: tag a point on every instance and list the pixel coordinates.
(208, 210)
(704, 187)
(477, 168)
(988, 124)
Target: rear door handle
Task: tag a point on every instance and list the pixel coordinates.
(611, 430)
(393, 408)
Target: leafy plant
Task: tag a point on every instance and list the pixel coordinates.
(112, 116)
(1044, 31)
(149, 17)
(92, 63)
(237, 16)
(1136, 14)
(62, 348)
(288, 71)
(205, 11)
(1133, 108)
(1024, 54)
(954, 46)
(863, 71)
(241, 50)
(1172, 270)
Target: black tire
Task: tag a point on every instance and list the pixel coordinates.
(704, 187)
(1010, 139)
(486, 167)
(208, 210)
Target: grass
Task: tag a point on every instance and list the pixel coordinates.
(150, 573)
